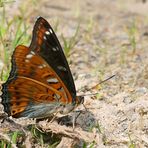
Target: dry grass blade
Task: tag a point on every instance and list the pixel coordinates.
(77, 133)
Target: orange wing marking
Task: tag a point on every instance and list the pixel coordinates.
(40, 83)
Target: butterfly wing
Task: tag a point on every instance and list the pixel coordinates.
(40, 81)
(46, 44)
(33, 89)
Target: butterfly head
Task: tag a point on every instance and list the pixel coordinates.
(79, 100)
(70, 107)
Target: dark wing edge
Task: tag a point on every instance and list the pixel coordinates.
(12, 75)
(46, 43)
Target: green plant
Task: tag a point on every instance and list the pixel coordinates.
(71, 42)
(90, 25)
(11, 140)
(10, 37)
(132, 30)
(90, 145)
(131, 143)
(3, 2)
(14, 137)
(44, 138)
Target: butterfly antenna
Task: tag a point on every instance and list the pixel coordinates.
(93, 94)
(97, 85)
(101, 82)
(107, 79)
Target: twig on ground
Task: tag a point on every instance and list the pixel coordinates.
(77, 133)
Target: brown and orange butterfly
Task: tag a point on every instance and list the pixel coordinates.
(40, 82)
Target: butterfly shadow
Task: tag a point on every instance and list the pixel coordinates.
(83, 119)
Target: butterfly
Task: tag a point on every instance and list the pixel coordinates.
(40, 82)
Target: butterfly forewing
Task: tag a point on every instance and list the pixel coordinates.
(45, 42)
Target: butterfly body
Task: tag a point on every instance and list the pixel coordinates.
(40, 81)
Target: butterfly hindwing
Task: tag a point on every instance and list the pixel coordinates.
(31, 82)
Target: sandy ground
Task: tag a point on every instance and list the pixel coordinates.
(112, 39)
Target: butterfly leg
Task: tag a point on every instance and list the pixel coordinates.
(53, 117)
(73, 122)
(36, 127)
(75, 119)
